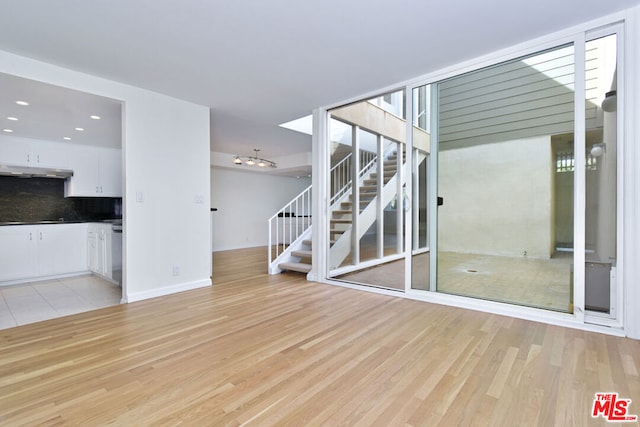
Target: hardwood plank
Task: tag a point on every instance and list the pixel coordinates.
(263, 350)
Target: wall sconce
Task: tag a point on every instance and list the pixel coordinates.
(609, 104)
(598, 149)
(253, 160)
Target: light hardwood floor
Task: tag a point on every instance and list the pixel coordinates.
(276, 350)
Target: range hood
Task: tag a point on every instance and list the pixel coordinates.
(32, 172)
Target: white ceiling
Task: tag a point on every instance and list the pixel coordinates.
(260, 63)
(54, 113)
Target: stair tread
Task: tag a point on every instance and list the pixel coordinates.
(341, 220)
(295, 266)
(306, 242)
(302, 253)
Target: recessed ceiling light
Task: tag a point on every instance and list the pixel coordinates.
(23, 103)
(94, 117)
(66, 138)
(7, 130)
(79, 129)
(12, 118)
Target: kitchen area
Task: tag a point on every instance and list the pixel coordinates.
(61, 219)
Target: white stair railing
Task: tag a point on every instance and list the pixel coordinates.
(286, 225)
(341, 174)
(340, 177)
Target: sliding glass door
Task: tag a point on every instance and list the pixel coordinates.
(498, 184)
(505, 178)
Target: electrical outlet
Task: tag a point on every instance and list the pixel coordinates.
(175, 270)
(198, 199)
(140, 197)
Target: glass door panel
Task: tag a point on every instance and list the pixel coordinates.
(601, 175)
(420, 191)
(505, 182)
(366, 243)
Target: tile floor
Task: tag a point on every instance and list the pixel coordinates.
(542, 283)
(37, 301)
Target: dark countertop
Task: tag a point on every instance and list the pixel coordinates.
(110, 221)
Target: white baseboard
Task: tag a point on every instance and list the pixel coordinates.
(42, 278)
(233, 247)
(167, 290)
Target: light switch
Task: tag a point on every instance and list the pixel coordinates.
(139, 197)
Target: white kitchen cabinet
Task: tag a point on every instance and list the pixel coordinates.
(61, 249)
(84, 182)
(99, 241)
(16, 151)
(92, 249)
(97, 172)
(110, 172)
(47, 154)
(32, 251)
(13, 151)
(18, 256)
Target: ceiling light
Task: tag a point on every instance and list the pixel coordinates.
(79, 129)
(94, 117)
(7, 130)
(66, 138)
(14, 119)
(23, 103)
(252, 160)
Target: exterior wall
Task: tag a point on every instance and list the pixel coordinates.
(497, 199)
(530, 97)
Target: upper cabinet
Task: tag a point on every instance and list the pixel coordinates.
(31, 152)
(97, 172)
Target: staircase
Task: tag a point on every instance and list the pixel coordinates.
(295, 253)
(303, 262)
(342, 212)
(290, 236)
(374, 195)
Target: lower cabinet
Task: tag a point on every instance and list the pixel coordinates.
(99, 242)
(61, 249)
(31, 251)
(18, 256)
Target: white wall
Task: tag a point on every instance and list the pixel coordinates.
(166, 158)
(497, 198)
(245, 201)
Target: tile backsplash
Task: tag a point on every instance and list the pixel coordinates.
(42, 199)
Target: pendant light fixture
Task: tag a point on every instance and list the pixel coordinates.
(254, 160)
